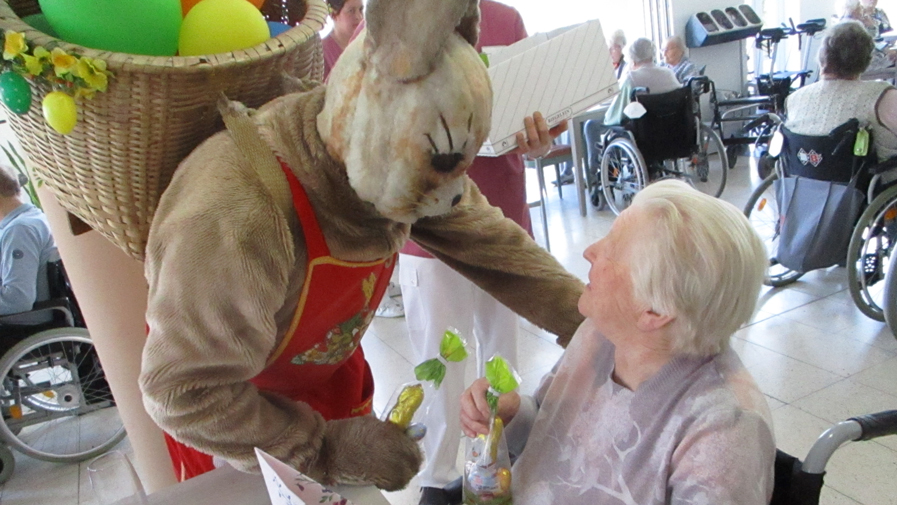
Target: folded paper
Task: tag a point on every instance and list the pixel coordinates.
(287, 486)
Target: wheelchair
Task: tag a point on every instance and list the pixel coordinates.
(56, 404)
(668, 141)
(867, 252)
(800, 482)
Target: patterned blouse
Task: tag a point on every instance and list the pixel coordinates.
(697, 432)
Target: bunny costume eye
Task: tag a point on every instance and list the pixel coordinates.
(408, 105)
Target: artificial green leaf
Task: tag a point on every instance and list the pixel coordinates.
(452, 347)
(501, 376)
(431, 370)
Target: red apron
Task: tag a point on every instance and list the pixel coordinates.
(319, 361)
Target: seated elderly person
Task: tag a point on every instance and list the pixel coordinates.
(615, 45)
(649, 404)
(644, 74)
(674, 58)
(26, 246)
(840, 95)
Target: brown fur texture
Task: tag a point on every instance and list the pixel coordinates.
(354, 451)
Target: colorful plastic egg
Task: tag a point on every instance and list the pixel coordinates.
(60, 111)
(15, 92)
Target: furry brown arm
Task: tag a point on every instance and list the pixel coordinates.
(218, 264)
(500, 257)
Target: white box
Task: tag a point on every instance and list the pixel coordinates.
(559, 74)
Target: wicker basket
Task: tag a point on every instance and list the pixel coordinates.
(112, 169)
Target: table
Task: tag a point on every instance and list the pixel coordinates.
(580, 153)
(229, 486)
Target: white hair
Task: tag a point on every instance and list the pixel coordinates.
(678, 42)
(702, 263)
(850, 8)
(642, 51)
(617, 38)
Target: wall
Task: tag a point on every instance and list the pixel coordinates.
(725, 62)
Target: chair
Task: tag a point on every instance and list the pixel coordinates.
(55, 402)
(559, 153)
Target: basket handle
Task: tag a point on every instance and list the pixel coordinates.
(244, 130)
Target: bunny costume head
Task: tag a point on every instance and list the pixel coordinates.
(408, 105)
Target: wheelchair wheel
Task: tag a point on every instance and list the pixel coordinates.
(7, 463)
(707, 170)
(762, 210)
(623, 173)
(890, 298)
(869, 253)
(57, 403)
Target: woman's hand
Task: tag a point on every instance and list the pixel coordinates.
(536, 142)
(475, 411)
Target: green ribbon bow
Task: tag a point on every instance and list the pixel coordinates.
(502, 379)
(451, 348)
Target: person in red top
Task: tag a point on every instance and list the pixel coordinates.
(436, 297)
(346, 15)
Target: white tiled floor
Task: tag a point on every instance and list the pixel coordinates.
(815, 356)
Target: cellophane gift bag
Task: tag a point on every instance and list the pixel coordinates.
(487, 469)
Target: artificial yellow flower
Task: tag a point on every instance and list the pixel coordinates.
(35, 64)
(94, 73)
(13, 45)
(86, 93)
(63, 63)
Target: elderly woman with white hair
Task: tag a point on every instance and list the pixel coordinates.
(649, 404)
(840, 95)
(643, 74)
(675, 59)
(615, 45)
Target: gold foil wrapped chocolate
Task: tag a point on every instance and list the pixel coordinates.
(410, 399)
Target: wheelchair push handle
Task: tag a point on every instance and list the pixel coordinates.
(641, 90)
(876, 425)
(699, 83)
(865, 427)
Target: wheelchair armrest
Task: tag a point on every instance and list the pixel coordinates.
(48, 307)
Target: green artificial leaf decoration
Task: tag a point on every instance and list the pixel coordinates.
(502, 379)
(501, 376)
(430, 370)
(452, 347)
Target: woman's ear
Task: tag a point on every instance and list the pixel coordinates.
(406, 37)
(650, 321)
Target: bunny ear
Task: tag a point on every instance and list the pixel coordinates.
(405, 37)
(469, 27)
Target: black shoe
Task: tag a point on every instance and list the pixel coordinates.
(433, 496)
(449, 495)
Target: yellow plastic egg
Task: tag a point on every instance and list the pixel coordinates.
(60, 111)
